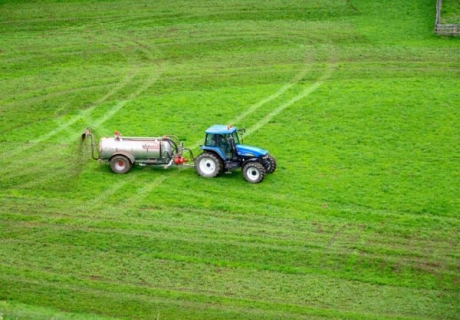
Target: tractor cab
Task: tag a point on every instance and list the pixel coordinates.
(225, 141)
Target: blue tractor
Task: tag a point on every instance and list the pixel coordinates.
(223, 152)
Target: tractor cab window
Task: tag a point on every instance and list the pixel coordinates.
(221, 141)
(235, 137)
(214, 140)
(209, 140)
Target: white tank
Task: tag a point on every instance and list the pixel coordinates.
(140, 148)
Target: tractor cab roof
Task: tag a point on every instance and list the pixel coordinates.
(220, 129)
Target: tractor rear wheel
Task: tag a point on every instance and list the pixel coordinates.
(208, 165)
(120, 164)
(253, 172)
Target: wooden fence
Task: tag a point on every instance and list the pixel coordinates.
(445, 29)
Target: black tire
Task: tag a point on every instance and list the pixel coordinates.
(270, 164)
(120, 164)
(253, 172)
(208, 165)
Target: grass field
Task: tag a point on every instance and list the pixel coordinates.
(358, 101)
(450, 11)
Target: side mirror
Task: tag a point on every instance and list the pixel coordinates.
(241, 133)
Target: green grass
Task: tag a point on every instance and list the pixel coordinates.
(450, 11)
(357, 100)
(10, 311)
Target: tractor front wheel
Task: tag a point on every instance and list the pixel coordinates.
(208, 165)
(270, 164)
(253, 172)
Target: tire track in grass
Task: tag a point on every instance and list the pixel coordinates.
(29, 93)
(45, 175)
(305, 93)
(86, 114)
(81, 115)
(114, 189)
(45, 154)
(278, 93)
(351, 239)
(145, 190)
(163, 234)
(142, 192)
(109, 114)
(26, 100)
(153, 77)
(147, 83)
(132, 201)
(198, 218)
(154, 298)
(29, 165)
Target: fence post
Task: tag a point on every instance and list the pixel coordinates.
(438, 11)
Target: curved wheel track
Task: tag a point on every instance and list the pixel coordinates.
(146, 189)
(44, 152)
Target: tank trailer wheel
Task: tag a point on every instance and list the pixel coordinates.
(270, 164)
(208, 165)
(253, 172)
(120, 164)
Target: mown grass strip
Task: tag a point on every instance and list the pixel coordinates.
(154, 298)
(302, 258)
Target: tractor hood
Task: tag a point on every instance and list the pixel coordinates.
(250, 151)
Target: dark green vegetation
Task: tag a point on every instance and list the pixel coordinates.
(357, 100)
(450, 11)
